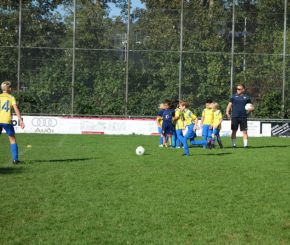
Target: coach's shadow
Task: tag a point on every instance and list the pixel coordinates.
(268, 146)
(260, 147)
(10, 170)
(65, 160)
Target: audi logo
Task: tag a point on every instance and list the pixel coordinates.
(44, 122)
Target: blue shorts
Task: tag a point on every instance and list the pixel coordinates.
(159, 130)
(167, 128)
(216, 132)
(189, 132)
(8, 128)
(206, 131)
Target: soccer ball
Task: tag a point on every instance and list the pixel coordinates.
(140, 150)
(249, 107)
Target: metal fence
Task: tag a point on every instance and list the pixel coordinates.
(79, 58)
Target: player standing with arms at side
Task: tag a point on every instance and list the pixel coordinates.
(216, 125)
(238, 114)
(7, 101)
(206, 123)
(167, 125)
(159, 123)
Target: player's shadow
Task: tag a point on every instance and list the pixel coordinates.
(211, 153)
(10, 170)
(65, 160)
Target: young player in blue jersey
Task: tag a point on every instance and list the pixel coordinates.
(216, 126)
(159, 123)
(238, 114)
(7, 102)
(167, 125)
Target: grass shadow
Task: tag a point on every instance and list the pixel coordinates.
(146, 154)
(60, 160)
(10, 170)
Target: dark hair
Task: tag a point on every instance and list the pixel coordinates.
(208, 101)
(174, 103)
(167, 102)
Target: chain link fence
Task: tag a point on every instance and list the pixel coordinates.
(75, 57)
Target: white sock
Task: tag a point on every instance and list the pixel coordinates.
(245, 142)
(234, 142)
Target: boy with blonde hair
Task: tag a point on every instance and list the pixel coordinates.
(206, 122)
(216, 126)
(7, 102)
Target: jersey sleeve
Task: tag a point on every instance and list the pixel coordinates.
(193, 116)
(13, 100)
(160, 113)
(220, 115)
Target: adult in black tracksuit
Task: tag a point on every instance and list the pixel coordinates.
(238, 114)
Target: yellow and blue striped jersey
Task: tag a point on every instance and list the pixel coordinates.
(217, 118)
(159, 121)
(6, 103)
(189, 117)
(207, 114)
(179, 124)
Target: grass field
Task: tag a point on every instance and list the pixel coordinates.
(87, 189)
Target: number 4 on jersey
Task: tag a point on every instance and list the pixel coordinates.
(5, 106)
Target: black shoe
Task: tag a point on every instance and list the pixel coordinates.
(209, 145)
(221, 145)
(16, 162)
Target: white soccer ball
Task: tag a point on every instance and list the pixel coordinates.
(249, 107)
(140, 150)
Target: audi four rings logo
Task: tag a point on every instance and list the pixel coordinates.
(44, 122)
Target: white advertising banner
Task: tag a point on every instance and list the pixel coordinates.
(117, 126)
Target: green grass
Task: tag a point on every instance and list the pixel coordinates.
(86, 189)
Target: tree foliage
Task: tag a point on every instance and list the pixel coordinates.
(48, 77)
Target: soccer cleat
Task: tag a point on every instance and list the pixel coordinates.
(209, 145)
(221, 145)
(15, 161)
(160, 145)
